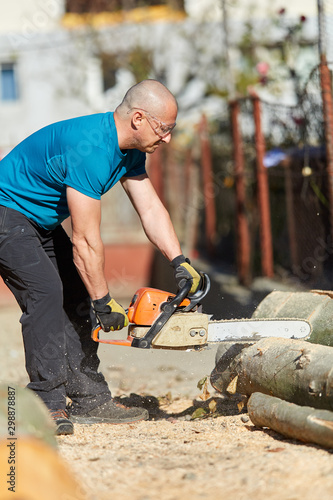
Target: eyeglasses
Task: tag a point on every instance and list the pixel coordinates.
(161, 129)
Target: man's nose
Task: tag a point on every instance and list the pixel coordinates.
(167, 138)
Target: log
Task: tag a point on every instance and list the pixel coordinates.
(28, 440)
(31, 416)
(39, 472)
(315, 306)
(293, 370)
(227, 356)
(297, 422)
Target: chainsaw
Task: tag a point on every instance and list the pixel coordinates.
(159, 319)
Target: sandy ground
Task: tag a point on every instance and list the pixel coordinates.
(174, 456)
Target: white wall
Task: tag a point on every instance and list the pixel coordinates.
(59, 76)
(56, 80)
(238, 9)
(28, 17)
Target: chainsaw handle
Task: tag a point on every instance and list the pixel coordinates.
(95, 337)
(178, 298)
(197, 297)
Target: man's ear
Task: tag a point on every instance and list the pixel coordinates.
(137, 119)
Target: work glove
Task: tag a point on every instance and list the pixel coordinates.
(110, 315)
(184, 271)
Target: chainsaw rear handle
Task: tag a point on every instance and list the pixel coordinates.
(197, 297)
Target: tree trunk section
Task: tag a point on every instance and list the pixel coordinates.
(28, 437)
(315, 306)
(293, 370)
(40, 472)
(32, 418)
(297, 422)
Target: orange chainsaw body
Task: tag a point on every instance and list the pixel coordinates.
(151, 308)
(145, 306)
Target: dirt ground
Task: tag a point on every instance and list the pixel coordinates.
(174, 456)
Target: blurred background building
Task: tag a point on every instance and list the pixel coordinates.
(229, 63)
(65, 58)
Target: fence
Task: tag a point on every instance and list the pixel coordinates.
(298, 176)
(255, 192)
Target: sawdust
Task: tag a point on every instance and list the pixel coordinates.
(173, 456)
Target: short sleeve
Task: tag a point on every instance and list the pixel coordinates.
(87, 171)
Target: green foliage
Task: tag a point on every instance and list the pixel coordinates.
(140, 63)
(244, 80)
(202, 382)
(281, 55)
(200, 413)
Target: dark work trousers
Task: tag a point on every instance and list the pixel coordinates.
(61, 358)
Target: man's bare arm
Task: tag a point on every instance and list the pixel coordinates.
(88, 248)
(154, 217)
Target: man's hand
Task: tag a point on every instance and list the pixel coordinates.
(184, 271)
(109, 314)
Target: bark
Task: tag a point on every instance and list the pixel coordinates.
(297, 422)
(293, 370)
(27, 411)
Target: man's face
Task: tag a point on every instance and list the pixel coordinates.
(157, 130)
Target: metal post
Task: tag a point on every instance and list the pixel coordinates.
(326, 92)
(208, 187)
(267, 265)
(243, 234)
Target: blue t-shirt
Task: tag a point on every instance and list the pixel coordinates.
(82, 153)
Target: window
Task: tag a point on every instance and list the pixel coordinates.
(8, 84)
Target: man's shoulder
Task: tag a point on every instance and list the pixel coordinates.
(80, 133)
(85, 121)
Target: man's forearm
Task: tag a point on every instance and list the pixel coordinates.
(89, 261)
(88, 248)
(160, 231)
(154, 217)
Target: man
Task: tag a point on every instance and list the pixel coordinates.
(61, 170)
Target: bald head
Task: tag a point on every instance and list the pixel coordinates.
(147, 110)
(150, 95)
